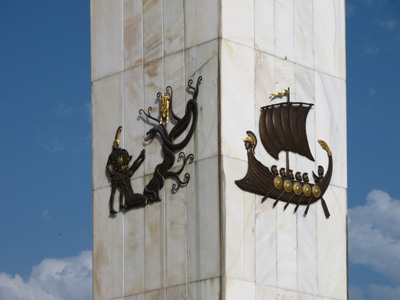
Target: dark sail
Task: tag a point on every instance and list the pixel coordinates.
(283, 128)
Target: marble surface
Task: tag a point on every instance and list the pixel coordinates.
(236, 289)
(211, 240)
(175, 236)
(107, 115)
(266, 243)
(284, 29)
(174, 25)
(133, 33)
(178, 292)
(205, 289)
(332, 245)
(237, 97)
(237, 21)
(106, 38)
(133, 130)
(154, 243)
(329, 37)
(203, 215)
(265, 292)
(153, 83)
(307, 275)
(202, 61)
(304, 33)
(108, 259)
(152, 29)
(330, 124)
(201, 22)
(264, 26)
(134, 248)
(239, 223)
(174, 76)
(286, 244)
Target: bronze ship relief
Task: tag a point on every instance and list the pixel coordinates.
(283, 128)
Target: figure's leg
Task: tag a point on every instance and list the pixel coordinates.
(113, 188)
(121, 198)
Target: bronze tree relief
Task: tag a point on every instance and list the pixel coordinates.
(283, 128)
(119, 159)
(169, 147)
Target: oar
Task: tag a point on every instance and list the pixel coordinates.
(325, 208)
(287, 204)
(298, 203)
(308, 206)
(266, 196)
(277, 199)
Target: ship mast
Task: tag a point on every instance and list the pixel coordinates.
(287, 152)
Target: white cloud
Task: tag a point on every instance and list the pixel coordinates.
(391, 24)
(372, 92)
(68, 111)
(356, 293)
(374, 241)
(374, 234)
(46, 215)
(378, 292)
(54, 145)
(53, 279)
(368, 49)
(374, 292)
(62, 110)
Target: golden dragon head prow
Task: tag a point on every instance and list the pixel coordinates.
(325, 146)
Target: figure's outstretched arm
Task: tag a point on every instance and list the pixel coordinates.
(136, 164)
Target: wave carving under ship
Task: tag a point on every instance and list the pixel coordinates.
(283, 128)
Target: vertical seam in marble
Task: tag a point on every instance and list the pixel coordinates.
(276, 214)
(254, 97)
(294, 35)
(222, 222)
(164, 244)
(186, 190)
(195, 133)
(186, 194)
(164, 232)
(316, 251)
(125, 135)
(294, 85)
(313, 41)
(144, 168)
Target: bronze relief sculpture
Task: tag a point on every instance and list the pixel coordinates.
(283, 128)
(118, 161)
(169, 147)
(120, 174)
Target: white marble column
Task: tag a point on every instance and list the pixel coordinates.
(211, 240)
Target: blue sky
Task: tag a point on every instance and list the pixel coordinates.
(46, 149)
(46, 142)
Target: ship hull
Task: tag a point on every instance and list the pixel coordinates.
(260, 180)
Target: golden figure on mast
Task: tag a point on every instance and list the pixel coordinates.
(164, 109)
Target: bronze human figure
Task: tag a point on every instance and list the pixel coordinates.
(120, 174)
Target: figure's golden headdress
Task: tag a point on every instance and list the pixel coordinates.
(116, 140)
(251, 138)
